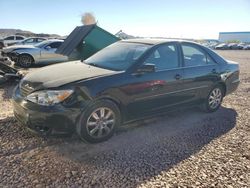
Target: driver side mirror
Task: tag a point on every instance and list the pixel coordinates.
(146, 68)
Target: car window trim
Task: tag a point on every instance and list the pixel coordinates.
(199, 66)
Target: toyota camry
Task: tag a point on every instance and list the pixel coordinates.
(126, 81)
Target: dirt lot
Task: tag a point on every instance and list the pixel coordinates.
(185, 148)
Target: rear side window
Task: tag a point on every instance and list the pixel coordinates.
(19, 38)
(193, 56)
(29, 41)
(55, 44)
(164, 57)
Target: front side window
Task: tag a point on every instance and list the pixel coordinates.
(164, 57)
(29, 41)
(193, 56)
(118, 56)
(42, 44)
(9, 38)
(55, 45)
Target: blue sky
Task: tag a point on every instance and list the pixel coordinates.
(147, 18)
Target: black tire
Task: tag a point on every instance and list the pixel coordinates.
(25, 60)
(1, 45)
(210, 104)
(89, 126)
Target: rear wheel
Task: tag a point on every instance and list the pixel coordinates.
(25, 60)
(99, 121)
(214, 99)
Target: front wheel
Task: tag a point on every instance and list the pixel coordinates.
(214, 99)
(98, 122)
(25, 61)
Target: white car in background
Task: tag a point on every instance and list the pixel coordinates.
(7, 41)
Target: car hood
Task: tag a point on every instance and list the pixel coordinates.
(17, 47)
(61, 74)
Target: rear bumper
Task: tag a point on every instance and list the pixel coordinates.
(233, 86)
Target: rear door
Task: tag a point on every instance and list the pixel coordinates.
(200, 71)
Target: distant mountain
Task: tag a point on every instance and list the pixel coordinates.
(7, 32)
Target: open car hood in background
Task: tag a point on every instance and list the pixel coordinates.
(7, 72)
(74, 39)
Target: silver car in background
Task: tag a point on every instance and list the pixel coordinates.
(41, 53)
(30, 41)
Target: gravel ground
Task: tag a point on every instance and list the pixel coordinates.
(187, 148)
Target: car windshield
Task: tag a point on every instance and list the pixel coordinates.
(41, 44)
(118, 56)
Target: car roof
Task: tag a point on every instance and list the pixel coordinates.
(14, 36)
(36, 38)
(54, 40)
(154, 41)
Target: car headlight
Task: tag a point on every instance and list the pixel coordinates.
(49, 97)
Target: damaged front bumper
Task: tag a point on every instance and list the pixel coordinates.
(7, 72)
(12, 55)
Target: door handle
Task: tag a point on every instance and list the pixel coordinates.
(177, 77)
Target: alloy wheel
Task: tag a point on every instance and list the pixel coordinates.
(100, 122)
(25, 61)
(215, 98)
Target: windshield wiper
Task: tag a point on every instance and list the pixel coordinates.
(95, 65)
(99, 66)
(92, 64)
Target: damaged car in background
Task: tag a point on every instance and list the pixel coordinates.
(41, 53)
(126, 81)
(7, 72)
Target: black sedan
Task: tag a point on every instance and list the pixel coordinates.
(126, 81)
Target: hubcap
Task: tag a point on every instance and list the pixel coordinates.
(101, 122)
(214, 99)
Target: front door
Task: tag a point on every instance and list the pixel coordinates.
(153, 91)
(48, 54)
